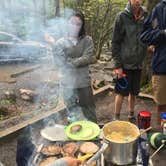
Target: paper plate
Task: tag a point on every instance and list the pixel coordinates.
(54, 133)
(89, 131)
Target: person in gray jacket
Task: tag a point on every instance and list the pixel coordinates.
(128, 53)
(72, 55)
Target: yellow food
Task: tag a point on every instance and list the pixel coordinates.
(119, 137)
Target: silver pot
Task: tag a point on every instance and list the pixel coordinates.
(121, 154)
(115, 149)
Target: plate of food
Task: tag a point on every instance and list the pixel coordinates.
(82, 130)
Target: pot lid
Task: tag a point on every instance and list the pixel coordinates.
(145, 114)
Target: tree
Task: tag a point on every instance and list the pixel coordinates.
(35, 6)
(57, 11)
(100, 15)
(44, 11)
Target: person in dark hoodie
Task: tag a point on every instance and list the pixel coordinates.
(154, 34)
(128, 53)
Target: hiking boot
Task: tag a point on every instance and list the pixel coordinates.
(132, 119)
(116, 117)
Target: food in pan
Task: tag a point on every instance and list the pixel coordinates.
(88, 147)
(120, 137)
(51, 150)
(47, 161)
(69, 149)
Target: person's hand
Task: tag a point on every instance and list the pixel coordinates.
(119, 72)
(71, 161)
(49, 38)
(151, 49)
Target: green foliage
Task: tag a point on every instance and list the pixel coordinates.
(147, 88)
(100, 15)
(6, 101)
(1, 117)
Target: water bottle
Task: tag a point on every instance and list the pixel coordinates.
(143, 150)
(163, 118)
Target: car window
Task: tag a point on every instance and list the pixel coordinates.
(7, 38)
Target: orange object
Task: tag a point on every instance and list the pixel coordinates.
(121, 75)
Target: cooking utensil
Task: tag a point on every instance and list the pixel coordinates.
(54, 133)
(89, 131)
(156, 139)
(162, 145)
(85, 157)
(37, 153)
(144, 131)
(119, 152)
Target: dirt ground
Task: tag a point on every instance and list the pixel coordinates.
(104, 108)
(38, 80)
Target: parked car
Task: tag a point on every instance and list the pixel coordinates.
(14, 49)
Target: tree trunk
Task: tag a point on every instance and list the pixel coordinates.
(10, 7)
(64, 4)
(79, 3)
(57, 11)
(35, 6)
(44, 12)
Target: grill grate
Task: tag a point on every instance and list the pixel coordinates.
(38, 157)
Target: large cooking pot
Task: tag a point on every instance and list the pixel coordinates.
(120, 143)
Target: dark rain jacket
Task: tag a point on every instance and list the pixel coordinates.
(127, 49)
(153, 34)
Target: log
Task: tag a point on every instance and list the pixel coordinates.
(143, 95)
(24, 71)
(41, 116)
(100, 90)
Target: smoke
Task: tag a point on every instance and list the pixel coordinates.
(20, 18)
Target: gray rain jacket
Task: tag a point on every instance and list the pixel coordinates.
(73, 61)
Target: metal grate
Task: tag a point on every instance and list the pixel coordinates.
(38, 157)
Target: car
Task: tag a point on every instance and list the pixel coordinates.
(14, 49)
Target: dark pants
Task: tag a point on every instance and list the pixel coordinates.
(25, 147)
(80, 97)
(133, 78)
